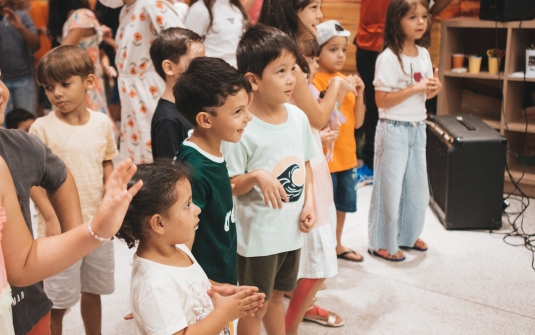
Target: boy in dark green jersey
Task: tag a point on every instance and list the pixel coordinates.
(214, 97)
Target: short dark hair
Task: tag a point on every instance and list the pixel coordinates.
(156, 196)
(171, 44)
(206, 84)
(311, 48)
(261, 45)
(16, 116)
(64, 62)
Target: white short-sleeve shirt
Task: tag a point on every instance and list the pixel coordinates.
(223, 37)
(391, 77)
(166, 299)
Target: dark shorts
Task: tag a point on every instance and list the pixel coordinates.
(345, 190)
(268, 273)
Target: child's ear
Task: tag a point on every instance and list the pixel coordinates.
(204, 120)
(252, 79)
(168, 68)
(89, 82)
(156, 224)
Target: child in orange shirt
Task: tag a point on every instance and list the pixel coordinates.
(333, 39)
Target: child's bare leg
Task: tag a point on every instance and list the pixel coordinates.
(340, 220)
(293, 317)
(274, 318)
(56, 321)
(91, 313)
(250, 325)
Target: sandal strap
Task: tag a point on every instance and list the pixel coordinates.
(331, 320)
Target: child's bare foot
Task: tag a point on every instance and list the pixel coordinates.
(348, 254)
(418, 245)
(397, 257)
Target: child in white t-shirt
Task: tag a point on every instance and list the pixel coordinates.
(169, 291)
(404, 79)
(222, 22)
(84, 140)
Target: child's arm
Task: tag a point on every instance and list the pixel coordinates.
(40, 199)
(28, 261)
(307, 219)
(105, 61)
(389, 99)
(359, 99)
(65, 203)
(318, 113)
(434, 86)
(107, 169)
(269, 185)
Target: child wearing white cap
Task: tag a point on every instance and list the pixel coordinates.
(333, 39)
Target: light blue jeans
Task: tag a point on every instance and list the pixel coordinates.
(23, 94)
(400, 191)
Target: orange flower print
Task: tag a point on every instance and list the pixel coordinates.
(159, 20)
(151, 28)
(143, 66)
(149, 144)
(130, 123)
(153, 90)
(121, 36)
(123, 89)
(142, 161)
(132, 94)
(142, 16)
(137, 37)
(121, 136)
(159, 5)
(124, 54)
(143, 109)
(134, 137)
(133, 18)
(121, 66)
(133, 70)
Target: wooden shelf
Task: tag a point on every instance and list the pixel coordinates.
(520, 126)
(480, 75)
(469, 35)
(528, 79)
(494, 124)
(516, 171)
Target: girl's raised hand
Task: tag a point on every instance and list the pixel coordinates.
(112, 210)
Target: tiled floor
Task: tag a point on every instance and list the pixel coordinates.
(469, 282)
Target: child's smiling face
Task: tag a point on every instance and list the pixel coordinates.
(310, 16)
(229, 120)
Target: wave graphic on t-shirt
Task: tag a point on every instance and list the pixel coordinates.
(293, 191)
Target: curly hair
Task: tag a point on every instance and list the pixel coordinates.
(157, 196)
(394, 37)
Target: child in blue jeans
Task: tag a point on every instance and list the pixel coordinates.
(404, 79)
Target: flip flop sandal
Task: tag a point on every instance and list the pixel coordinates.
(415, 247)
(344, 254)
(323, 317)
(384, 256)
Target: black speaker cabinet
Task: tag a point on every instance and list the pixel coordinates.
(507, 10)
(465, 165)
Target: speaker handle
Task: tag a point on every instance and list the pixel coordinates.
(465, 123)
